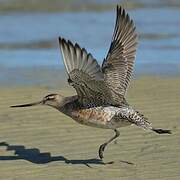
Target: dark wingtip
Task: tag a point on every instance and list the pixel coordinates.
(60, 39)
(62, 42)
(162, 131)
(117, 8)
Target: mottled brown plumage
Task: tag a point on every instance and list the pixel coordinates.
(100, 100)
(118, 65)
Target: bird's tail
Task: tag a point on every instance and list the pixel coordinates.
(146, 125)
(162, 131)
(137, 118)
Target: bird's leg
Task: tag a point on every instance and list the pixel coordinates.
(102, 147)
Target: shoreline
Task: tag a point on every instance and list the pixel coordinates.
(55, 75)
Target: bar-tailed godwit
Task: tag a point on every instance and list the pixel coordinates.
(100, 100)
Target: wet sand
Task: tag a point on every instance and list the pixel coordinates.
(41, 143)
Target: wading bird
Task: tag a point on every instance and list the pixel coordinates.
(100, 100)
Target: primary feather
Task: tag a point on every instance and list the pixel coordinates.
(118, 65)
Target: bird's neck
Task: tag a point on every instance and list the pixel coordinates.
(68, 104)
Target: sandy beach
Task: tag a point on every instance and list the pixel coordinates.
(41, 143)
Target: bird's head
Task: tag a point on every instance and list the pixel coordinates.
(54, 100)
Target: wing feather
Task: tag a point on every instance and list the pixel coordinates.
(85, 75)
(118, 65)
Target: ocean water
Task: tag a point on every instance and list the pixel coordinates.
(23, 36)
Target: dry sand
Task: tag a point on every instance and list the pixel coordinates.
(41, 143)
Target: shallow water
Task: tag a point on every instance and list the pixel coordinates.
(30, 40)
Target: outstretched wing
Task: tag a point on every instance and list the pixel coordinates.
(84, 75)
(118, 65)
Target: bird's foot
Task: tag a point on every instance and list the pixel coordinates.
(101, 150)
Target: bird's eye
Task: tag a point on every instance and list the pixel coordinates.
(50, 97)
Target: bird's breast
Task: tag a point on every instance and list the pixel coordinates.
(96, 117)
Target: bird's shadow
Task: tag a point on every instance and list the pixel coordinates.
(35, 156)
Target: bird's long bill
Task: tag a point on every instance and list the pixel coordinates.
(29, 104)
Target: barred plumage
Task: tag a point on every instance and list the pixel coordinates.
(100, 100)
